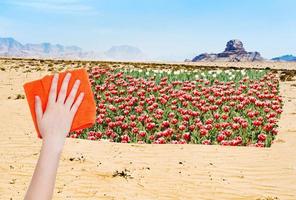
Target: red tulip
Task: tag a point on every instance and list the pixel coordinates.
(182, 127)
(165, 124)
(150, 126)
(125, 138)
(171, 115)
(142, 133)
(220, 137)
(257, 123)
(174, 121)
(186, 136)
(262, 137)
(203, 132)
(206, 142)
(235, 126)
(226, 109)
(224, 116)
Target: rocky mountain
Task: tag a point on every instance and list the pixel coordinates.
(9, 47)
(234, 52)
(287, 58)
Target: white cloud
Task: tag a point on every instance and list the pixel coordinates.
(62, 6)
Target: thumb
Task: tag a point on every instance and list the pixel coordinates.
(38, 109)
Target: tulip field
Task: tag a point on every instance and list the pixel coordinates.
(212, 107)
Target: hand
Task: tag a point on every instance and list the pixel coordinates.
(55, 123)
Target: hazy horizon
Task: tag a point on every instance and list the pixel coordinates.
(171, 30)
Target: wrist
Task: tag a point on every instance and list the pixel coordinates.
(53, 146)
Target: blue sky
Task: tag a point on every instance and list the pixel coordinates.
(162, 29)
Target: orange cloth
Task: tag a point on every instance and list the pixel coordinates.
(86, 114)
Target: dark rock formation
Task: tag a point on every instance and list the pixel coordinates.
(234, 52)
(205, 57)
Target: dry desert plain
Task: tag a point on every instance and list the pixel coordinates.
(102, 170)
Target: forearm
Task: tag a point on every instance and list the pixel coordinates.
(43, 180)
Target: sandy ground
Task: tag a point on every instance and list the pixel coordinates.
(153, 171)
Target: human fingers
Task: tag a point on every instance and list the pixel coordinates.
(38, 110)
(77, 103)
(71, 97)
(64, 87)
(53, 89)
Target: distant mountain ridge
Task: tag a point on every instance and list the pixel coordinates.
(234, 52)
(10, 47)
(287, 58)
(124, 51)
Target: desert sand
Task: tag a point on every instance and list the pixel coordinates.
(102, 170)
